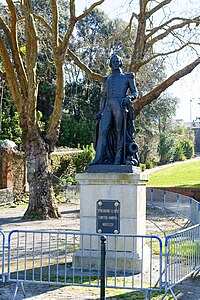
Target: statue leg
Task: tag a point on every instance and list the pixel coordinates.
(118, 116)
(104, 127)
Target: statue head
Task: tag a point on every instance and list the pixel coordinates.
(115, 61)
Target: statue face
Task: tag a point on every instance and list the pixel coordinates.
(115, 62)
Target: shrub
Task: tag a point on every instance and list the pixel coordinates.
(73, 130)
(179, 153)
(142, 167)
(10, 128)
(81, 160)
(188, 148)
(166, 148)
(66, 166)
(149, 164)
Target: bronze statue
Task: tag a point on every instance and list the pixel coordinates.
(115, 120)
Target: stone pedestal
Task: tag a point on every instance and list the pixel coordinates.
(129, 189)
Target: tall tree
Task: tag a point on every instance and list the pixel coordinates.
(21, 76)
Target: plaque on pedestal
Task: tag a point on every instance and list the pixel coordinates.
(108, 216)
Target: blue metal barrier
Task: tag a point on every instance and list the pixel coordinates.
(71, 258)
(76, 259)
(2, 256)
(182, 256)
(186, 207)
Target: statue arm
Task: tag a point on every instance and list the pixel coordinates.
(132, 86)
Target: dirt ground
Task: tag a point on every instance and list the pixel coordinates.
(159, 221)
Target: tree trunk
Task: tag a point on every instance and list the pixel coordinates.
(42, 203)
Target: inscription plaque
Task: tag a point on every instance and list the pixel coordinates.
(108, 216)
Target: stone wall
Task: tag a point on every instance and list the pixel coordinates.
(6, 176)
(12, 171)
(19, 173)
(13, 168)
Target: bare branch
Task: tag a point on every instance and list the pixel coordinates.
(54, 24)
(188, 21)
(3, 75)
(157, 7)
(10, 75)
(71, 24)
(73, 20)
(155, 93)
(15, 50)
(169, 30)
(88, 10)
(55, 118)
(72, 8)
(31, 36)
(126, 31)
(161, 54)
(92, 75)
(59, 56)
(43, 21)
(82, 66)
(134, 15)
(6, 30)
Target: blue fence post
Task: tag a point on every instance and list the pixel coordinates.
(103, 267)
(177, 198)
(198, 213)
(2, 257)
(151, 195)
(164, 197)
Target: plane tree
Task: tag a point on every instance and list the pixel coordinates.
(20, 71)
(159, 33)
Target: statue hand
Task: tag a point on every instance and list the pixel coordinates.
(126, 100)
(97, 116)
(134, 97)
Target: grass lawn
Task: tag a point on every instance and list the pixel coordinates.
(186, 174)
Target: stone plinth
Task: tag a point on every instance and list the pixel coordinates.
(130, 190)
(90, 260)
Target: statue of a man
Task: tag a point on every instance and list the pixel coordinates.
(115, 125)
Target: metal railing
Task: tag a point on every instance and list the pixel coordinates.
(185, 206)
(6, 196)
(71, 258)
(2, 256)
(68, 191)
(72, 192)
(182, 256)
(110, 261)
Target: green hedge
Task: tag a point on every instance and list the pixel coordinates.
(65, 166)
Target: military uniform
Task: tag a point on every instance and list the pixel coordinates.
(115, 96)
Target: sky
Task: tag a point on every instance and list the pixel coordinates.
(186, 89)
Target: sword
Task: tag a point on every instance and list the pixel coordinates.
(125, 111)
